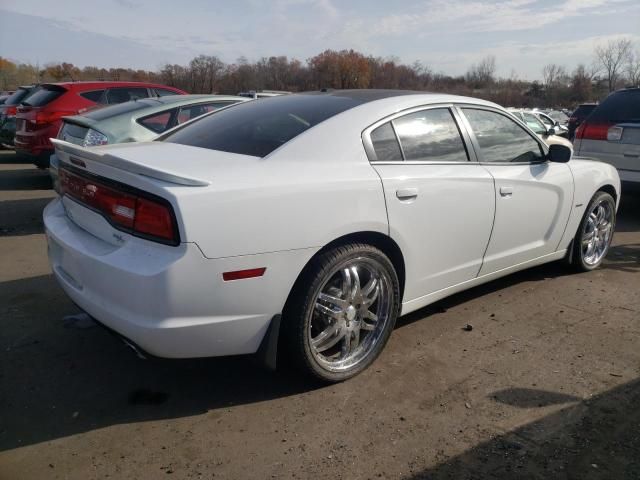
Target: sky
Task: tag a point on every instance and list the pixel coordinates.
(445, 35)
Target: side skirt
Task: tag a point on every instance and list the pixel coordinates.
(412, 305)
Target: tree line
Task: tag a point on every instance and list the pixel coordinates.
(615, 64)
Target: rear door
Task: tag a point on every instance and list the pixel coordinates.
(532, 195)
(440, 202)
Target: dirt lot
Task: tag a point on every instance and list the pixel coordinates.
(546, 385)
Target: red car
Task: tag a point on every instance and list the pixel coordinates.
(40, 115)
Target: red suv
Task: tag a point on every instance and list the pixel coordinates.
(40, 115)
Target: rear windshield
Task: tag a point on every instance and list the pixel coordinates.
(583, 110)
(259, 127)
(16, 97)
(619, 107)
(119, 109)
(45, 95)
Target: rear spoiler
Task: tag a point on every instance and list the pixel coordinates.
(65, 150)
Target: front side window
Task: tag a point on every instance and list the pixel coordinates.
(430, 135)
(501, 139)
(385, 144)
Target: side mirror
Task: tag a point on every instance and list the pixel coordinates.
(559, 153)
(552, 131)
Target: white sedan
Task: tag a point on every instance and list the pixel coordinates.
(305, 224)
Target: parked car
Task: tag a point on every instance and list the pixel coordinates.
(135, 121)
(578, 116)
(548, 134)
(307, 223)
(557, 116)
(8, 114)
(611, 133)
(549, 122)
(3, 98)
(40, 116)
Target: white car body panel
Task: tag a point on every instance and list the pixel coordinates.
(238, 212)
(533, 203)
(431, 221)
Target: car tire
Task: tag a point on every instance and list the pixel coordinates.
(593, 238)
(341, 312)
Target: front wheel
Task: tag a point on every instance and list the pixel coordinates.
(342, 312)
(592, 241)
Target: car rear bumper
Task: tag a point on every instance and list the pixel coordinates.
(170, 301)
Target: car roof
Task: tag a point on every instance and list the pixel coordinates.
(105, 84)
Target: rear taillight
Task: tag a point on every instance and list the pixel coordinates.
(593, 131)
(11, 111)
(125, 209)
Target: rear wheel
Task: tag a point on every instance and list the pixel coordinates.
(595, 233)
(342, 312)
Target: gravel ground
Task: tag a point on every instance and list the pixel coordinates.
(545, 385)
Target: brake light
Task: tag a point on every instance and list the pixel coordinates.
(125, 210)
(11, 111)
(593, 131)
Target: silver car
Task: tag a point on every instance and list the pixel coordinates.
(135, 121)
(611, 134)
(139, 120)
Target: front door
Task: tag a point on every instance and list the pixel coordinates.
(533, 196)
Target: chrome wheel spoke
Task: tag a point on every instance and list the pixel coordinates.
(327, 311)
(328, 338)
(355, 291)
(332, 300)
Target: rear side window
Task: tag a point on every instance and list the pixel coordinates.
(93, 96)
(386, 144)
(619, 107)
(258, 128)
(430, 135)
(159, 122)
(501, 139)
(45, 95)
(125, 94)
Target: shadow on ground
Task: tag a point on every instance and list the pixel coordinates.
(598, 438)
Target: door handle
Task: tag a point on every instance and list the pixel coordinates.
(407, 193)
(506, 191)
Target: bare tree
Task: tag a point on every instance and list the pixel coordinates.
(633, 68)
(612, 57)
(483, 73)
(553, 75)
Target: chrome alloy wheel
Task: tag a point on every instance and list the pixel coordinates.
(350, 313)
(597, 232)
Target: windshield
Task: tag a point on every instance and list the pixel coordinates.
(258, 128)
(119, 109)
(16, 97)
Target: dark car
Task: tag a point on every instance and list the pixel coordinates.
(578, 116)
(8, 112)
(611, 134)
(40, 116)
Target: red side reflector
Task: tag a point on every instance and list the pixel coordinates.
(242, 274)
